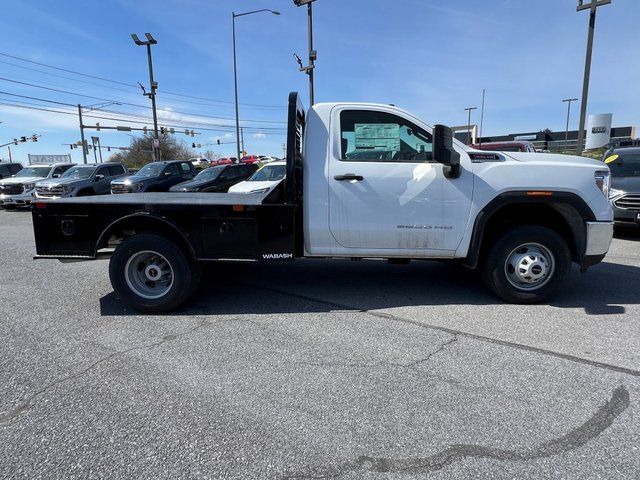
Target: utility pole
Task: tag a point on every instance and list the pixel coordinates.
(313, 55)
(592, 7)
(10, 159)
(469, 110)
(152, 93)
(242, 140)
(235, 69)
(84, 144)
(566, 131)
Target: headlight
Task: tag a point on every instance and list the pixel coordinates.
(614, 192)
(68, 188)
(29, 186)
(603, 181)
(261, 190)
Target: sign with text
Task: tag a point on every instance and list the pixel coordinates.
(598, 130)
(377, 136)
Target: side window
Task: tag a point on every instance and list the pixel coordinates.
(185, 167)
(173, 169)
(60, 170)
(229, 173)
(115, 170)
(370, 136)
(104, 171)
(4, 171)
(13, 169)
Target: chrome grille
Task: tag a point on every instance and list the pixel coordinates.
(628, 202)
(52, 191)
(120, 188)
(13, 189)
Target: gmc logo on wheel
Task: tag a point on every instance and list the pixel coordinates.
(599, 130)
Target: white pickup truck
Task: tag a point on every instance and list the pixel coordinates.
(363, 181)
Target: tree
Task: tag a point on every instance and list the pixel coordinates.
(141, 148)
(211, 155)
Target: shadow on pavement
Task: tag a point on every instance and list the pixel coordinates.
(325, 285)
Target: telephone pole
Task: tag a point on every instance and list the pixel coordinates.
(592, 7)
(313, 55)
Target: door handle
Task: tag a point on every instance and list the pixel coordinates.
(349, 176)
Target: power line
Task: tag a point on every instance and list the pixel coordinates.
(138, 122)
(133, 85)
(131, 115)
(77, 94)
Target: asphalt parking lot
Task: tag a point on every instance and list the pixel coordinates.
(317, 369)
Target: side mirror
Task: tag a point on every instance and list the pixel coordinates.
(55, 175)
(443, 151)
(98, 177)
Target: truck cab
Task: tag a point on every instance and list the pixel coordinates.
(362, 181)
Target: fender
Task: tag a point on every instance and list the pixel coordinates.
(567, 204)
(104, 236)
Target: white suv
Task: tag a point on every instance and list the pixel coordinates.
(19, 190)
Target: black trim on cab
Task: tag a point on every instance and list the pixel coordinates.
(562, 203)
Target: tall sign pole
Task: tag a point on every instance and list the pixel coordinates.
(566, 131)
(84, 144)
(469, 109)
(592, 7)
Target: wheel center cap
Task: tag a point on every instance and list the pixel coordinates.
(152, 272)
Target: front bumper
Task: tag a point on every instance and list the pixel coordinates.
(18, 200)
(599, 236)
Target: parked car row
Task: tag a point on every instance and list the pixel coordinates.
(624, 194)
(71, 180)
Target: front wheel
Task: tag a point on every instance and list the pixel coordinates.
(151, 274)
(527, 265)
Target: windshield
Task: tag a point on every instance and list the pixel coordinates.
(271, 173)
(209, 173)
(150, 170)
(34, 172)
(78, 172)
(624, 164)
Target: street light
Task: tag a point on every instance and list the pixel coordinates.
(592, 6)
(313, 55)
(235, 69)
(566, 131)
(152, 94)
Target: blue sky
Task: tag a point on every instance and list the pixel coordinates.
(431, 57)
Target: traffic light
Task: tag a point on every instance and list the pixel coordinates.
(144, 129)
(34, 138)
(162, 130)
(23, 139)
(193, 145)
(98, 127)
(218, 141)
(172, 131)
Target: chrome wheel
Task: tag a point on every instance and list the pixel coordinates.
(529, 266)
(148, 274)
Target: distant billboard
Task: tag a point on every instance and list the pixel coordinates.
(34, 159)
(598, 130)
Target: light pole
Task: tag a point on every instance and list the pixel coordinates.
(313, 55)
(566, 131)
(592, 6)
(469, 109)
(235, 69)
(152, 94)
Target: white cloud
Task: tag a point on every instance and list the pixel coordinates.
(259, 135)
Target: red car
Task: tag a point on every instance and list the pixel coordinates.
(506, 146)
(250, 159)
(223, 161)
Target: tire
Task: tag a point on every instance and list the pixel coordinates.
(527, 265)
(151, 274)
(86, 193)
